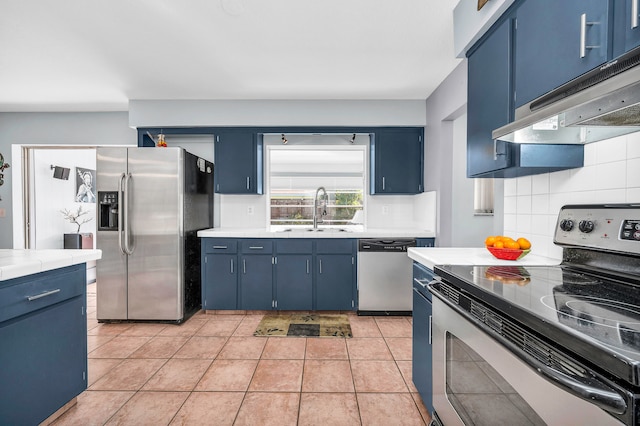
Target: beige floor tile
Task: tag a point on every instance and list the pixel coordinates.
(335, 409)
(178, 375)
(424, 412)
(98, 367)
(400, 347)
(277, 375)
(284, 348)
(94, 342)
(398, 409)
(368, 348)
(209, 408)
(364, 327)
(394, 326)
(406, 369)
(326, 348)
(248, 326)
(268, 409)
(93, 408)
(243, 348)
(187, 328)
(218, 327)
(228, 375)
(108, 329)
(327, 376)
(149, 408)
(201, 347)
(119, 347)
(160, 347)
(144, 329)
(377, 376)
(130, 374)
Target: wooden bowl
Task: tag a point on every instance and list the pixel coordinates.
(508, 254)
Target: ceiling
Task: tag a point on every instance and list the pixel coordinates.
(96, 55)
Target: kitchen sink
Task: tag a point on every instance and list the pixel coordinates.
(315, 230)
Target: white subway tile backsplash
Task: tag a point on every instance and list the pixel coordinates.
(611, 175)
(539, 224)
(611, 150)
(523, 204)
(633, 195)
(523, 224)
(540, 204)
(633, 145)
(633, 173)
(510, 187)
(540, 184)
(510, 224)
(510, 205)
(559, 181)
(523, 185)
(583, 179)
(608, 196)
(590, 154)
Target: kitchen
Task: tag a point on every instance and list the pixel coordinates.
(528, 205)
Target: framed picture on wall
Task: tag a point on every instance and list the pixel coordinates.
(85, 190)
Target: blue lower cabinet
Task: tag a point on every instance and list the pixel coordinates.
(422, 358)
(220, 283)
(334, 282)
(44, 347)
(425, 242)
(294, 282)
(256, 282)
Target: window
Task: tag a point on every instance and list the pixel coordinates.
(295, 173)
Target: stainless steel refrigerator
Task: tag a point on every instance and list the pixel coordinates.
(151, 203)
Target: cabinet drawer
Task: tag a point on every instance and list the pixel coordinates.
(27, 294)
(335, 246)
(294, 246)
(220, 245)
(257, 246)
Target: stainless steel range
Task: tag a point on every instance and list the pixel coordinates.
(557, 345)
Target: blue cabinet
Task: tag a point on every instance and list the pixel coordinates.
(238, 162)
(422, 358)
(44, 343)
(256, 282)
(626, 26)
(397, 158)
(294, 282)
(219, 273)
(425, 242)
(335, 274)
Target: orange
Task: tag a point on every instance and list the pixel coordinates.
(512, 245)
(498, 244)
(524, 243)
(490, 241)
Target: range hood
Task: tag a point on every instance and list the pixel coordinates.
(600, 104)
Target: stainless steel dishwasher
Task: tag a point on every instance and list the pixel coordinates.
(384, 277)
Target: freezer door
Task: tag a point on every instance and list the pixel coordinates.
(155, 193)
(111, 270)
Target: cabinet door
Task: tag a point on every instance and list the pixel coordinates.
(550, 50)
(334, 282)
(626, 26)
(397, 162)
(236, 163)
(220, 282)
(256, 281)
(44, 361)
(489, 84)
(422, 351)
(294, 282)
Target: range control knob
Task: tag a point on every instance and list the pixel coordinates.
(566, 225)
(586, 226)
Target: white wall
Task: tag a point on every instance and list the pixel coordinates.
(611, 174)
(470, 24)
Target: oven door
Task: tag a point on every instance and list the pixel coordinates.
(477, 381)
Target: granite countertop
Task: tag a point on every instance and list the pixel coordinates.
(326, 233)
(431, 256)
(19, 263)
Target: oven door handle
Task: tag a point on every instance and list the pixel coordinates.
(589, 389)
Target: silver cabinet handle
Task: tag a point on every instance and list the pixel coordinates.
(232, 266)
(634, 14)
(41, 295)
(320, 265)
(244, 266)
(126, 224)
(121, 212)
(383, 183)
(583, 35)
(220, 247)
(430, 329)
(248, 181)
(420, 282)
(307, 266)
(256, 248)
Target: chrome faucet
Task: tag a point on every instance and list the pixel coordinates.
(315, 206)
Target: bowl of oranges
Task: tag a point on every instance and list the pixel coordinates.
(506, 248)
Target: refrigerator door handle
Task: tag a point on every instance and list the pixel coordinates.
(121, 212)
(127, 230)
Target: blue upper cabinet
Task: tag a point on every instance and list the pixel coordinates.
(397, 158)
(557, 41)
(489, 84)
(238, 162)
(626, 26)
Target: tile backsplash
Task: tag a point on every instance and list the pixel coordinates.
(611, 174)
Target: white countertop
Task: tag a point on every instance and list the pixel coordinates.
(431, 256)
(327, 233)
(19, 263)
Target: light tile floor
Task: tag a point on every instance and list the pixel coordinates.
(212, 370)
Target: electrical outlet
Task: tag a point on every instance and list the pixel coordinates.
(385, 210)
(2, 213)
(249, 210)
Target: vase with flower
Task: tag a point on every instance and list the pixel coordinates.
(77, 240)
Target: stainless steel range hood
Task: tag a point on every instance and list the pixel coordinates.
(600, 104)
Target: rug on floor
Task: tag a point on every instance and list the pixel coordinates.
(304, 325)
